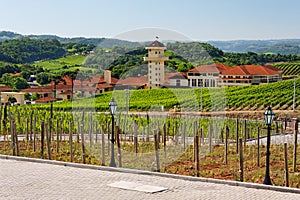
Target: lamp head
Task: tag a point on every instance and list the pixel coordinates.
(112, 106)
(269, 116)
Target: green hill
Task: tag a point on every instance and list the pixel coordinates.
(101, 42)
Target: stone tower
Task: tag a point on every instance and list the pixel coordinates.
(156, 61)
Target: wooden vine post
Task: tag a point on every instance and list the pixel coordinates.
(237, 135)
(42, 139)
(71, 141)
(48, 140)
(286, 165)
(196, 152)
(102, 145)
(156, 144)
(226, 144)
(34, 133)
(241, 170)
(82, 143)
(135, 138)
(119, 146)
(295, 145)
(258, 146)
(16, 138)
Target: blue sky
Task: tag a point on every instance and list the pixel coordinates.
(196, 19)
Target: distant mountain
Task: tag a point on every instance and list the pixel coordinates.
(284, 46)
(101, 42)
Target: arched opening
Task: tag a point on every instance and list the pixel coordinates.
(12, 100)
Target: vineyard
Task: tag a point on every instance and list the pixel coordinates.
(152, 141)
(289, 68)
(245, 98)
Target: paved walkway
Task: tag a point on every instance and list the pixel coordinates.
(34, 180)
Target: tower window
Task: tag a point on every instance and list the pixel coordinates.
(155, 52)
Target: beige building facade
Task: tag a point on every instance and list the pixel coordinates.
(156, 64)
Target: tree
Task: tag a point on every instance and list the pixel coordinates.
(27, 96)
(7, 79)
(55, 78)
(20, 83)
(43, 78)
(72, 75)
(35, 96)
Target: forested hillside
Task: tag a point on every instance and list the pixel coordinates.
(29, 50)
(100, 42)
(182, 57)
(284, 46)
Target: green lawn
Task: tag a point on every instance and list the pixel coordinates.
(73, 59)
(69, 63)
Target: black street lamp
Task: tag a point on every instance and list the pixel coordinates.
(112, 109)
(269, 116)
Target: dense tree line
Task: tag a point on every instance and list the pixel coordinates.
(254, 58)
(182, 57)
(27, 50)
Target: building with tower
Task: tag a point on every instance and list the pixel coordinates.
(156, 62)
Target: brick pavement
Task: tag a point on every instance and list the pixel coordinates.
(32, 180)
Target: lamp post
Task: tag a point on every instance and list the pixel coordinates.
(269, 116)
(112, 109)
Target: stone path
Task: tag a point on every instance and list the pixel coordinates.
(38, 180)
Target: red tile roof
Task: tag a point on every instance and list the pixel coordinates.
(5, 89)
(45, 89)
(45, 100)
(94, 80)
(103, 86)
(213, 68)
(175, 75)
(135, 81)
(252, 70)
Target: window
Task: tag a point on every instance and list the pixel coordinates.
(206, 83)
(194, 82)
(213, 83)
(155, 52)
(200, 84)
(177, 82)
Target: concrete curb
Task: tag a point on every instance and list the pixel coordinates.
(141, 172)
